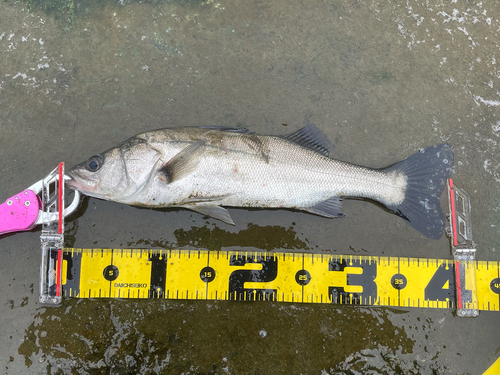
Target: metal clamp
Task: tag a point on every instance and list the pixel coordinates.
(464, 251)
(52, 236)
(43, 187)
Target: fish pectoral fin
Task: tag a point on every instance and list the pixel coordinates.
(330, 208)
(184, 163)
(312, 138)
(217, 212)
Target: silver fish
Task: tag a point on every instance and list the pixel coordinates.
(205, 168)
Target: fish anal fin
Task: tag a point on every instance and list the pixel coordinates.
(184, 163)
(217, 212)
(330, 208)
(312, 138)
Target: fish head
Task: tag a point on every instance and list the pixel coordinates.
(118, 174)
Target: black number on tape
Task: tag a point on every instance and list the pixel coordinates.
(398, 281)
(238, 278)
(111, 273)
(302, 277)
(158, 275)
(365, 279)
(495, 285)
(207, 274)
(441, 287)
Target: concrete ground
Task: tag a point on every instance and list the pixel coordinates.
(380, 79)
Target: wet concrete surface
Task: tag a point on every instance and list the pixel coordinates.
(380, 79)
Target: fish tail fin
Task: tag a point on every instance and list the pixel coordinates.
(426, 173)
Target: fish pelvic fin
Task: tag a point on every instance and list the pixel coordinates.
(184, 163)
(312, 138)
(426, 173)
(217, 212)
(330, 208)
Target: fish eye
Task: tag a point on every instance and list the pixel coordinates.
(94, 163)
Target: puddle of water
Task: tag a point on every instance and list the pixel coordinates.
(121, 337)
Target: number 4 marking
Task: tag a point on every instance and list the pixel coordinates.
(441, 287)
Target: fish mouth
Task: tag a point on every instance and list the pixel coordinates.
(76, 182)
(72, 183)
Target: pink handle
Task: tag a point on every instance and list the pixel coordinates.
(19, 212)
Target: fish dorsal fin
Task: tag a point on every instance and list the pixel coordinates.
(184, 163)
(312, 138)
(225, 129)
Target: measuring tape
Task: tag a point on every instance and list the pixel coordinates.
(282, 277)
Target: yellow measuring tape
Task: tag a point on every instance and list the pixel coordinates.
(283, 277)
